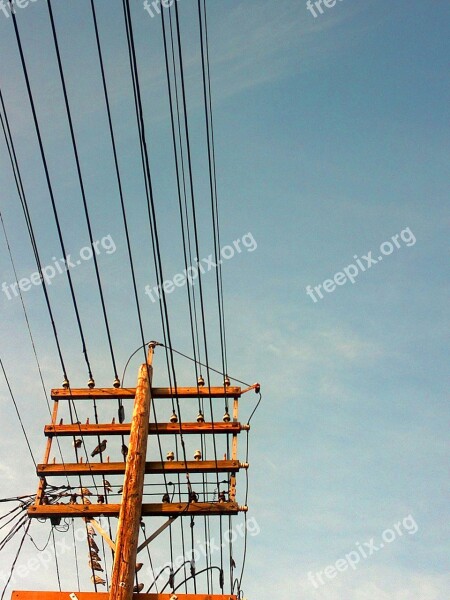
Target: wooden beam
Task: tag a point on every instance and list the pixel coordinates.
(90, 511)
(125, 428)
(118, 468)
(16, 595)
(122, 578)
(129, 393)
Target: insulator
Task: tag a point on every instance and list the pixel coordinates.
(65, 384)
(121, 414)
(257, 388)
(91, 383)
(173, 417)
(200, 417)
(170, 456)
(226, 417)
(197, 455)
(200, 381)
(116, 382)
(226, 381)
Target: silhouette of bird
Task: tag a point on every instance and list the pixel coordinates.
(138, 588)
(96, 566)
(77, 443)
(139, 566)
(85, 492)
(99, 449)
(101, 499)
(193, 497)
(94, 556)
(98, 580)
(86, 500)
(124, 450)
(92, 544)
(107, 485)
(166, 497)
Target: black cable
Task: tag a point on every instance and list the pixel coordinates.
(16, 559)
(56, 559)
(21, 192)
(50, 189)
(80, 180)
(29, 330)
(18, 413)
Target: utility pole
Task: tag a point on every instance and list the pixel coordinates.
(132, 509)
(122, 581)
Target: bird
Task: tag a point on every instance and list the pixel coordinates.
(139, 566)
(193, 497)
(100, 448)
(77, 443)
(166, 497)
(138, 588)
(95, 566)
(92, 544)
(73, 498)
(222, 497)
(101, 499)
(86, 500)
(98, 580)
(85, 492)
(124, 450)
(233, 564)
(91, 531)
(94, 556)
(107, 485)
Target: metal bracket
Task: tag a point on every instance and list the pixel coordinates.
(73, 596)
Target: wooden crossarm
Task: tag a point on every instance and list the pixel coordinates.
(155, 510)
(129, 393)
(118, 468)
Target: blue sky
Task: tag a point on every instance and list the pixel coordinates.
(331, 138)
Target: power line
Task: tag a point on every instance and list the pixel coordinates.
(50, 189)
(18, 413)
(80, 180)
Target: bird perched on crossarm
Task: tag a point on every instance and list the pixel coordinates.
(100, 448)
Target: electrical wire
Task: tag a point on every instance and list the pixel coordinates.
(50, 189)
(18, 413)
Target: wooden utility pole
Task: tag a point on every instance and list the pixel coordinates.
(131, 509)
(122, 580)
